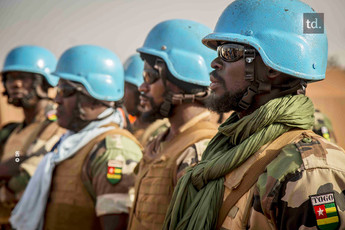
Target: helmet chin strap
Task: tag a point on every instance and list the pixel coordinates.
(171, 98)
(261, 84)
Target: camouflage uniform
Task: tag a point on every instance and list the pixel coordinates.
(296, 191)
(189, 156)
(20, 140)
(161, 167)
(323, 126)
(112, 197)
(146, 135)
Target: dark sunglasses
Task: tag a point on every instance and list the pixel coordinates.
(232, 52)
(66, 91)
(150, 76)
(23, 76)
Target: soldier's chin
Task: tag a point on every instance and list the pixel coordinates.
(15, 102)
(22, 102)
(151, 116)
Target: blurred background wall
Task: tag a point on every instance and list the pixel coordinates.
(122, 25)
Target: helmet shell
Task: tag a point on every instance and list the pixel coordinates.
(33, 59)
(178, 43)
(134, 67)
(98, 69)
(275, 29)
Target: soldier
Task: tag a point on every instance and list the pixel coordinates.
(83, 183)
(323, 126)
(175, 86)
(143, 131)
(264, 169)
(26, 77)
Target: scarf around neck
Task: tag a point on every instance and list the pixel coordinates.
(198, 195)
(29, 212)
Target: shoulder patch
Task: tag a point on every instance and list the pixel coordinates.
(325, 210)
(51, 115)
(114, 141)
(114, 174)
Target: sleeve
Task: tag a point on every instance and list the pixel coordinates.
(303, 187)
(17, 184)
(190, 156)
(108, 174)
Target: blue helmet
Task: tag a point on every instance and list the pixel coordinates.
(178, 43)
(98, 69)
(33, 59)
(275, 30)
(134, 67)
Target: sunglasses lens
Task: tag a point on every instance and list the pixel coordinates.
(150, 77)
(230, 53)
(66, 91)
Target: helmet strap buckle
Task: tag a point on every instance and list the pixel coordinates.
(247, 99)
(249, 56)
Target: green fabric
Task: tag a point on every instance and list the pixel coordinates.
(18, 183)
(198, 195)
(288, 161)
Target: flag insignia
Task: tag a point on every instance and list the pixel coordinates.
(325, 210)
(114, 173)
(51, 115)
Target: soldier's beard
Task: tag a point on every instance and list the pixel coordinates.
(226, 102)
(27, 102)
(152, 115)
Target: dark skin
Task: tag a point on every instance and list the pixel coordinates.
(131, 98)
(233, 75)
(91, 109)
(19, 84)
(181, 114)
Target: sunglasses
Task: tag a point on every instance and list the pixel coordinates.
(66, 91)
(23, 76)
(232, 52)
(150, 76)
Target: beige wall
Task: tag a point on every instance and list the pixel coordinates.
(8, 112)
(329, 96)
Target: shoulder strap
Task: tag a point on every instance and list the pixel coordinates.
(35, 133)
(200, 131)
(255, 170)
(87, 148)
(123, 132)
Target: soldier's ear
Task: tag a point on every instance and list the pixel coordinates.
(272, 73)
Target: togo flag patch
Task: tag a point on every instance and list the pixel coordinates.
(114, 174)
(325, 210)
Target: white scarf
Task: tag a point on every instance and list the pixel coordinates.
(29, 212)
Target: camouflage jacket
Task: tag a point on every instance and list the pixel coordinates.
(302, 188)
(146, 135)
(109, 186)
(21, 149)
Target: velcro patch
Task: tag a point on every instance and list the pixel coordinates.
(114, 173)
(325, 210)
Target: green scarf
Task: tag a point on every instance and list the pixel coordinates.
(198, 195)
